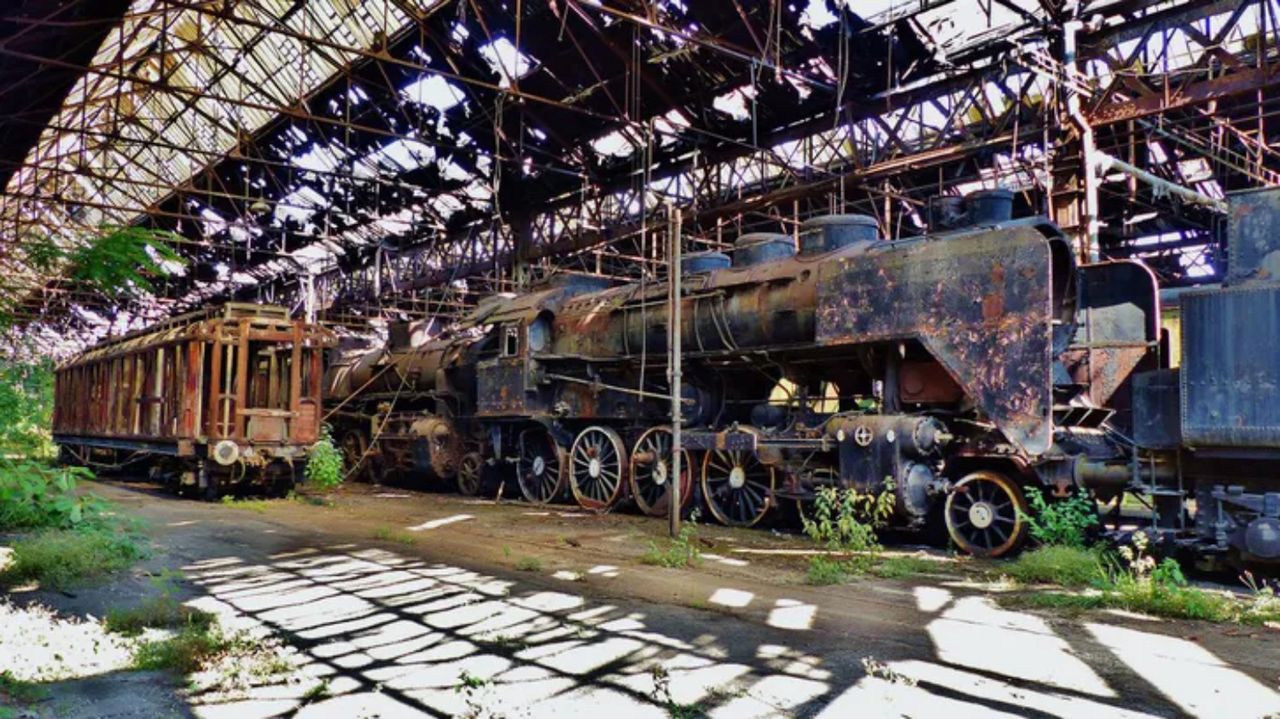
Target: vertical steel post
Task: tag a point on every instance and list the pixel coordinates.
(673, 365)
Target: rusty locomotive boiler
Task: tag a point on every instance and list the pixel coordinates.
(219, 399)
(959, 368)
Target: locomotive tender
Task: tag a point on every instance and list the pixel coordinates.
(207, 400)
(958, 367)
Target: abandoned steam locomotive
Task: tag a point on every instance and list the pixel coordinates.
(957, 367)
(205, 401)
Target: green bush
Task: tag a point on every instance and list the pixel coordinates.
(324, 462)
(1055, 564)
(1064, 523)
(59, 558)
(847, 521)
(34, 495)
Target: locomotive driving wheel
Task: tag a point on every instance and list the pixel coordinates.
(984, 514)
(652, 470)
(355, 456)
(738, 486)
(596, 465)
(470, 474)
(540, 466)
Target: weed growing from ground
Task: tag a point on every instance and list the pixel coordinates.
(678, 553)
(1065, 565)
(253, 505)
(164, 611)
(387, 534)
(18, 691)
(846, 522)
(900, 567)
(58, 558)
(325, 462)
(1064, 523)
(529, 564)
(1135, 581)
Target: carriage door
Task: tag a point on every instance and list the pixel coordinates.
(267, 403)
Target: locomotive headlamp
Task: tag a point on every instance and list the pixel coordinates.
(226, 452)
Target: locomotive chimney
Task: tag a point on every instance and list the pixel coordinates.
(833, 232)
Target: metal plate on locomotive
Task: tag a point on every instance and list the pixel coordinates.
(980, 303)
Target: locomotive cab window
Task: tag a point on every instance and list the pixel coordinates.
(510, 341)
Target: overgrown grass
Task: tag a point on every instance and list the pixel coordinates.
(1132, 580)
(59, 558)
(186, 652)
(387, 534)
(825, 569)
(675, 553)
(1065, 565)
(17, 691)
(529, 564)
(900, 567)
(156, 613)
(253, 505)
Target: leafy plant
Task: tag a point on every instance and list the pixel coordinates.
(678, 553)
(1064, 523)
(122, 261)
(529, 564)
(26, 409)
(34, 495)
(847, 521)
(324, 462)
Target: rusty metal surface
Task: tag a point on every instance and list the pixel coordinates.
(188, 381)
(981, 305)
(1231, 367)
(1253, 236)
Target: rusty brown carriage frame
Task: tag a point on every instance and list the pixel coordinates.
(227, 395)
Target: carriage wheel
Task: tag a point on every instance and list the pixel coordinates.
(355, 456)
(470, 474)
(595, 473)
(738, 486)
(540, 469)
(982, 514)
(651, 472)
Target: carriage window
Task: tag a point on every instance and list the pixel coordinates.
(511, 341)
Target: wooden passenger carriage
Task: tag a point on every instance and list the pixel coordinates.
(210, 398)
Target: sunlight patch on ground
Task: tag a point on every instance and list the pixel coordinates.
(727, 597)
(975, 633)
(442, 522)
(792, 614)
(1187, 673)
(36, 644)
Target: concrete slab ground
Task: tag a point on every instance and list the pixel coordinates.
(415, 604)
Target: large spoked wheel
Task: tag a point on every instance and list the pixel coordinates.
(540, 467)
(470, 474)
(652, 470)
(983, 517)
(356, 457)
(596, 467)
(737, 486)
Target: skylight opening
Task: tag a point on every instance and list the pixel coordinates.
(433, 91)
(507, 61)
(736, 102)
(614, 144)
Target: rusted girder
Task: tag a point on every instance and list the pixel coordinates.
(1242, 81)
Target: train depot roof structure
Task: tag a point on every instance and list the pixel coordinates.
(407, 158)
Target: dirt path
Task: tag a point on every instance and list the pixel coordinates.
(412, 604)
